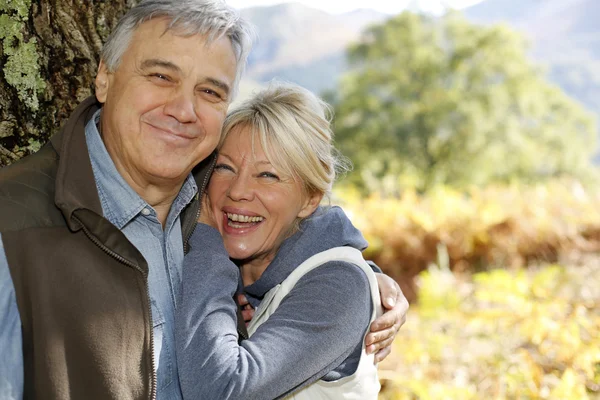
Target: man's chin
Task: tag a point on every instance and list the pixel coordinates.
(169, 171)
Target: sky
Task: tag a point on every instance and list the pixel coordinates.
(340, 6)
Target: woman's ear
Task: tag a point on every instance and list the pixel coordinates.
(310, 205)
(102, 82)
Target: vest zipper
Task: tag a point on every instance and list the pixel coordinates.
(242, 334)
(123, 260)
(199, 197)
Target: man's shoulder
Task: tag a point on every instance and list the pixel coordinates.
(27, 190)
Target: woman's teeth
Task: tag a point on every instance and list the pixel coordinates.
(243, 218)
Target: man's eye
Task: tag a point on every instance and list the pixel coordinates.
(160, 76)
(212, 93)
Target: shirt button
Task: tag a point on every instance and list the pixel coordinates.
(145, 212)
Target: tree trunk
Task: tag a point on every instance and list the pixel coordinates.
(49, 53)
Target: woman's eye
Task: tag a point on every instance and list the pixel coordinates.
(223, 167)
(269, 175)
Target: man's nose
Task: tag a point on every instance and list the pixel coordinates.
(182, 107)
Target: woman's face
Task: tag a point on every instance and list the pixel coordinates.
(254, 203)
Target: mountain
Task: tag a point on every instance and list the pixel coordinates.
(302, 44)
(307, 46)
(544, 21)
(564, 37)
(560, 31)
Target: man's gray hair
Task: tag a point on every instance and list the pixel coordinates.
(211, 18)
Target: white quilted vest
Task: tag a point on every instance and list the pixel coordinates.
(364, 383)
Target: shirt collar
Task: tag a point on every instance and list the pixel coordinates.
(120, 203)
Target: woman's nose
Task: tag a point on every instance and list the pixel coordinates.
(241, 189)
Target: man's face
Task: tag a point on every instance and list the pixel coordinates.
(165, 104)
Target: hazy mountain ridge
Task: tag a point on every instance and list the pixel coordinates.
(552, 26)
(303, 44)
(543, 20)
(564, 37)
(307, 45)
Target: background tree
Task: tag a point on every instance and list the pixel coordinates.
(443, 101)
(49, 52)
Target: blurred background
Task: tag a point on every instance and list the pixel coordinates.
(472, 127)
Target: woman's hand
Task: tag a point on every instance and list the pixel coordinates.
(384, 329)
(206, 214)
(245, 307)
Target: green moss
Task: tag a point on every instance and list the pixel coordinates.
(10, 30)
(22, 71)
(22, 66)
(101, 27)
(34, 145)
(20, 7)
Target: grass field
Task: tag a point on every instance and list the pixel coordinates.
(526, 334)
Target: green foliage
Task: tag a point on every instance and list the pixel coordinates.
(21, 69)
(504, 225)
(478, 331)
(442, 101)
(507, 335)
(483, 228)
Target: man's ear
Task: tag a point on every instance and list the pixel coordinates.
(310, 205)
(102, 82)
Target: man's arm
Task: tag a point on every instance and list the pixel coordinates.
(11, 348)
(385, 328)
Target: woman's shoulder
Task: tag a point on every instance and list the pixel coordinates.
(337, 281)
(339, 256)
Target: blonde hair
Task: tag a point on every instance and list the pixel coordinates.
(294, 128)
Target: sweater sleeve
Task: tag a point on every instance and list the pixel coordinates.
(314, 329)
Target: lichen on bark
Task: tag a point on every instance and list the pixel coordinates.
(65, 38)
(22, 67)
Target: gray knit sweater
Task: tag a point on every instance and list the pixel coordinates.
(316, 333)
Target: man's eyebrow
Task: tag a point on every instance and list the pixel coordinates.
(220, 84)
(156, 62)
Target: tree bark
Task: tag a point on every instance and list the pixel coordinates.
(68, 36)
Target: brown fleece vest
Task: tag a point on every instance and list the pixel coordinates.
(81, 286)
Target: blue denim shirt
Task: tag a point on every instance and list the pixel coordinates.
(162, 249)
(11, 349)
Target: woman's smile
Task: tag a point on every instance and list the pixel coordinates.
(238, 222)
(256, 204)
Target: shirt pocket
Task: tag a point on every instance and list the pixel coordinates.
(163, 363)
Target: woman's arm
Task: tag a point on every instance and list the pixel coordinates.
(315, 328)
